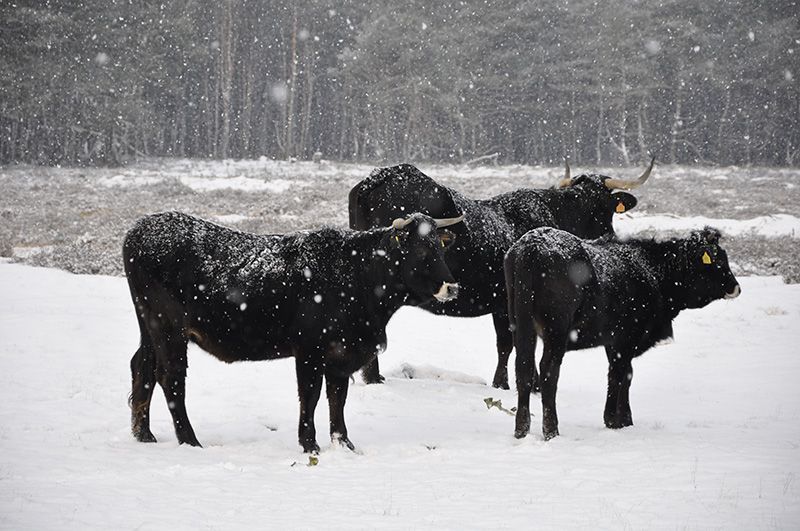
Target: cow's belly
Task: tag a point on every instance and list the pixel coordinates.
(229, 346)
(231, 333)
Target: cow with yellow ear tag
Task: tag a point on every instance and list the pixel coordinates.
(622, 295)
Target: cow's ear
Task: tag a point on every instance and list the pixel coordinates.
(706, 256)
(711, 235)
(622, 202)
(446, 237)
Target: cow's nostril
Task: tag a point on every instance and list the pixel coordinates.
(735, 293)
(452, 290)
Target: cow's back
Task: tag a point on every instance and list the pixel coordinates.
(172, 244)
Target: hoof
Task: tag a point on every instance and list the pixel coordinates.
(145, 437)
(500, 384)
(548, 435)
(523, 424)
(310, 447)
(369, 380)
(500, 380)
(344, 441)
(191, 442)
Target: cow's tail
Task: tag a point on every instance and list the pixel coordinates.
(508, 266)
(519, 276)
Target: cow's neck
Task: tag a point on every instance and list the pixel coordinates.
(523, 209)
(566, 206)
(382, 293)
(667, 260)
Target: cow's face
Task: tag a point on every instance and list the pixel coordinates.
(709, 276)
(591, 202)
(418, 248)
(591, 213)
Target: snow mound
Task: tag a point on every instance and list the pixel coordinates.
(230, 218)
(430, 372)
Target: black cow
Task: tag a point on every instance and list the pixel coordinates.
(622, 295)
(584, 206)
(323, 297)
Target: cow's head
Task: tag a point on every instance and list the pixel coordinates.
(708, 276)
(397, 191)
(417, 244)
(593, 202)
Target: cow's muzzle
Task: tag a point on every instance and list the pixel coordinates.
(735, 293)
(447, 292)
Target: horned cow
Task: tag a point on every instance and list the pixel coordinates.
(583, 205)
(323, 297)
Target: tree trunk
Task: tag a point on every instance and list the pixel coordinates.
(226, 75)
(292, 87)
(598, 152)
(309, 93)
(641, 119)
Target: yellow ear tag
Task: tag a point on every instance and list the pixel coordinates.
(397, 239)
(706, 258)
(442, 242)
(620, 208)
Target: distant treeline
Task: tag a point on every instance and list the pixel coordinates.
(107, 81)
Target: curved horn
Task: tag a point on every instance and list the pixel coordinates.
(446, 222)
(563, 183)
(400, 223)
(624, 184)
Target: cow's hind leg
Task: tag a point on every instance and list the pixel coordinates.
(555, 344)
(371, 372)
(524, 367)
(520, 307)
(617, 413)
(170, 346)
(505, 343)
(143, 381)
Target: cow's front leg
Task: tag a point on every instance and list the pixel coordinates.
(309, 387)
(336, 388)
(617, 413)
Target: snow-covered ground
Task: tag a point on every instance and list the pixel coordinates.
(716, 443)
(772, 226)
(75, 218)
